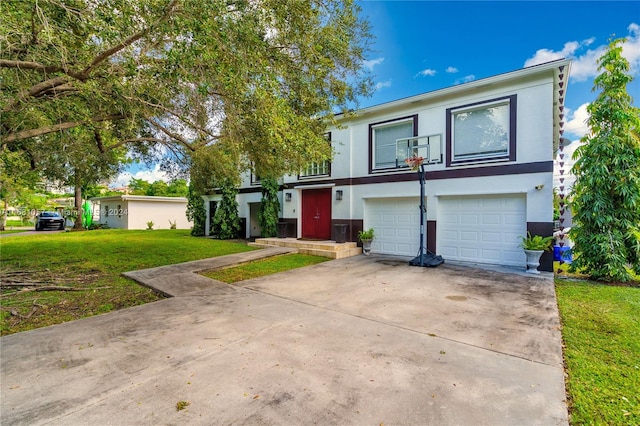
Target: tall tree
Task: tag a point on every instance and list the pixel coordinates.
(258, 79)
(606, 195)
(269, 207)
(16, 178)
(196, 212)
(138, 186)
(76, 157)
(226, 222)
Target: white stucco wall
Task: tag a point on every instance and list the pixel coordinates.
(137, 210)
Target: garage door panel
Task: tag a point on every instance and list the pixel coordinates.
(405, 233)
(483, 229)
(466, 219)
(491, 237)
(512, 219)
(493, 255)
(386, 232)
(449, 219)
(491, 219)
(397, 225)
(491, 204)
(468, 253)
(514, 257)
(469, 236)
(511, 236)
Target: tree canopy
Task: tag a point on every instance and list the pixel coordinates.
(606, 195)
(159, 188)
(248, 83)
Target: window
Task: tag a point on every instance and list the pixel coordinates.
(106, 211)
(482, 132)
(255, 179)
(318, 169)
(382, 141)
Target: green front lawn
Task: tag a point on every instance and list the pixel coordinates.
(263, 267)
(601, 332)
(86, 266)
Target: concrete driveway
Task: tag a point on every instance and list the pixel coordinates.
(357, 341)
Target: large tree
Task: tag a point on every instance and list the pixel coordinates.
(606, 195)
(252, 81)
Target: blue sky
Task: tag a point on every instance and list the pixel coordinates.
(421, 46)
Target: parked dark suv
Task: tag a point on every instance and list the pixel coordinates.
(49, 220)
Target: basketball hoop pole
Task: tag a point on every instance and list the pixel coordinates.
(424, 257)
(422, 209)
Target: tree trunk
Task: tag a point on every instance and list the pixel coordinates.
(78, 204)
(3, 220)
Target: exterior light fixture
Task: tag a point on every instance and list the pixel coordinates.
(339, 195)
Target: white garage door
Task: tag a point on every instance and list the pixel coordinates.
(482, 229)
(397, 225)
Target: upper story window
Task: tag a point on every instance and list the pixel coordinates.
(384, 151)
(318, 169)
(482, 132)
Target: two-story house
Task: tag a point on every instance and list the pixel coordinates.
(488, 147)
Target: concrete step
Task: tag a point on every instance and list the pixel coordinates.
(295, 243)
(329, 249)
(340, 254)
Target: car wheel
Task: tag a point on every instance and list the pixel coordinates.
(38, 228)
(61, 227)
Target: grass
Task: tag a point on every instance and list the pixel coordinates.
(263, 267)
(91, 261)
(13, 222)
(601, 332)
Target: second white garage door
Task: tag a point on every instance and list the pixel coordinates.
(397, 225)
(482, 229)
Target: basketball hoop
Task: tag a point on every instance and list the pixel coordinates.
(414, 162)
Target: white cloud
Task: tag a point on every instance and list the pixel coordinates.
(576, 122)
(372, 63)
(451, 70)
(584, 65)
(631, 49)
(427, 73)
(465, 79)
(382, 84)
(150, 176)
(546, 55)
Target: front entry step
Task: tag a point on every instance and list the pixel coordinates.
(329, 249)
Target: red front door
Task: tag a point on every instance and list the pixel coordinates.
(316, 214)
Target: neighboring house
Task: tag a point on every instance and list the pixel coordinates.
(490, 148)
(134, 211)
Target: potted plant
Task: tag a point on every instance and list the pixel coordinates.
(534, 246)
(366, 237)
